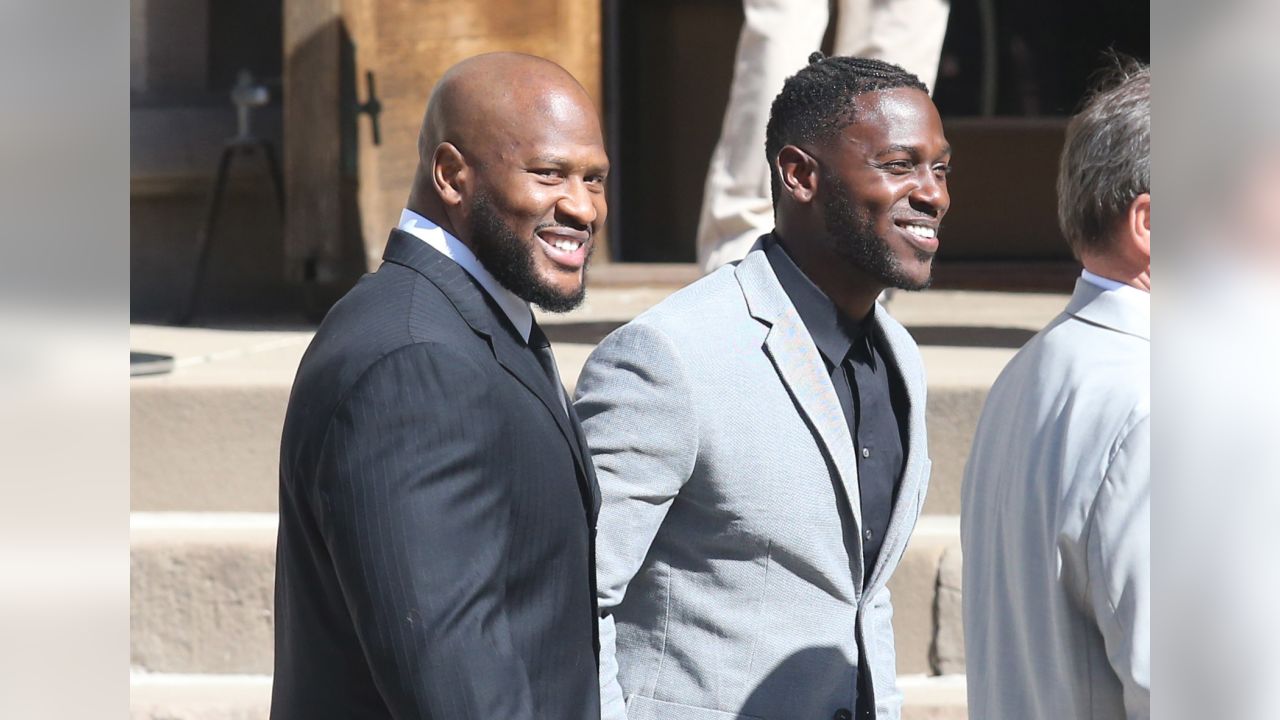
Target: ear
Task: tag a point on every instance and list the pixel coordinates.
(1138, 224)
(450, 174)
(798, 173)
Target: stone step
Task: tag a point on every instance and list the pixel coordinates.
(201, 594)
(248, 697)
(925, 590)
(205, 436)
(199, 697)
(933, 697)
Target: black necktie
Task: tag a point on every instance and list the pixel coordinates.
(541, 348)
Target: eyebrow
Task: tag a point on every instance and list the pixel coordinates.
(561, 162)
(550, 159)
(908, 149)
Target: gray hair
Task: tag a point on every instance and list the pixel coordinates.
(1106, 160)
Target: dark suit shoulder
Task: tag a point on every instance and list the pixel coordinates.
(395, 309)
(387, 310)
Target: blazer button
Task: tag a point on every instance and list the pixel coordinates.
(842, 714)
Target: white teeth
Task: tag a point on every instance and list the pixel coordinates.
(567, 245)
(921, 231)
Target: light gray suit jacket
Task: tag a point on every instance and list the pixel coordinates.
(1056, 521)
(729, 551)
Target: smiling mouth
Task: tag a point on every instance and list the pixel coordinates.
(566, 245)
(567, 252)
(923, 236)
(921, 231)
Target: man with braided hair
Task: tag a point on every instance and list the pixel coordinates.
(776, 37)
(759, 436)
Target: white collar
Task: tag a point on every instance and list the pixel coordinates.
(516, 309)
(1136, 297)
(1103, 282)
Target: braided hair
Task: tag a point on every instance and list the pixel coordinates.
(818, 101)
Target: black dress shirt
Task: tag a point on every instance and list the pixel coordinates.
(872, 397)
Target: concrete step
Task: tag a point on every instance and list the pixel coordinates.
(925, 588)
(201, 594)
(933, 697)
(205, 437)
(248, 697)
(199, 697)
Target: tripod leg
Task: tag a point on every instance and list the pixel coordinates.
(276, 178)
(206, 235)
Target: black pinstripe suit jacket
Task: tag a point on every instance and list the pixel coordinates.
(437, 514)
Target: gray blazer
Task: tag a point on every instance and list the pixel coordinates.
(729, 551)
(1056, 521)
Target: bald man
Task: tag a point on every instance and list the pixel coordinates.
(437, 504)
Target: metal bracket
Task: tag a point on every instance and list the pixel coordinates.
(372, 107)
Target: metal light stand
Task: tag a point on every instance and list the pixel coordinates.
(246, 95)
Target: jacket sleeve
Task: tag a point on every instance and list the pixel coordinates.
(1119, 567)
(414, 516)
(635, 404)
(878, 629)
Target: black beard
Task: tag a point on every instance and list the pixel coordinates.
(854, 238)
(510, 259)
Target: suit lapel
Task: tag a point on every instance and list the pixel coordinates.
(593, 486)
(516, 358)
(486, 319)
(802, 371)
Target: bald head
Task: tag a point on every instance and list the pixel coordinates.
(511, 162)
(478, 100)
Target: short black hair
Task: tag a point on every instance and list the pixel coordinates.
(818, 101)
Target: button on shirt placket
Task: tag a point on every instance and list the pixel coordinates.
(875, 431)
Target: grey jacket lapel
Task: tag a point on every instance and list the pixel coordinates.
(796, 359)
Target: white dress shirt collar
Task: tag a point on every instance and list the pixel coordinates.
(1107, 283)
(1135, 298)
(516, 309)
(1102, 282)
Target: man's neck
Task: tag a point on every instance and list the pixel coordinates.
(428, 205)
(1119, 272)
(852, 290)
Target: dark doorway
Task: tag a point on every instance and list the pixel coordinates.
(668, 66)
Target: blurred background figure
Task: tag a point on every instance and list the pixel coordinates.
(1218, 459)
(777, 37)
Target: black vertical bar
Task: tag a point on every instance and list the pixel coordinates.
(611, 36)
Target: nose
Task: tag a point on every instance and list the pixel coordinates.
(579, 206)
(930, 193)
